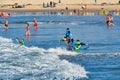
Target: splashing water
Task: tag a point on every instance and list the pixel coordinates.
(33, 63)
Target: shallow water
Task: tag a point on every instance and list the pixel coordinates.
(44, 57)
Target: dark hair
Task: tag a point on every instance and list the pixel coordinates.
(65, 37)
(28, 24)
(67, 29)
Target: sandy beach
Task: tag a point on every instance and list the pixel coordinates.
(61, 7)
(27, 5)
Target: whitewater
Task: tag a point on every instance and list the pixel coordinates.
(33, 63)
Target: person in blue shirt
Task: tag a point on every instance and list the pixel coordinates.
(67, 30)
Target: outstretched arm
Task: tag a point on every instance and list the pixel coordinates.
(83, 44)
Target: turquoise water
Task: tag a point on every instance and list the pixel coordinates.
(44, 57)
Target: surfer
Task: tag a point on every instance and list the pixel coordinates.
(69, 35)
(78, 47)
(69, 40)
(79, 44)
(67, 30)
(28, 30)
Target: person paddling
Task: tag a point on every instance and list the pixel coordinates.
(78, 47)
(21, 42)
(79, 44)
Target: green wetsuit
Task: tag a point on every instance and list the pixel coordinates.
(22, 42)
(78, 42)
(78, 48)
(63, 39)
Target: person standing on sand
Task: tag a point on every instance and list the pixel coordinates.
(28, 30)
(6, 25)
(67, 10)
(35, 24)
(95, 1)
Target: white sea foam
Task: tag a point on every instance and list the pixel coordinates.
(62, 51)
(28, 63)
(37, 22)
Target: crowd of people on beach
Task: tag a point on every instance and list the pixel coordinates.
(50, 4)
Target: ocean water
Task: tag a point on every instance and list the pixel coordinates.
(44, 57)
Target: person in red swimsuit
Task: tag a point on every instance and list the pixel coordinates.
(35, 24)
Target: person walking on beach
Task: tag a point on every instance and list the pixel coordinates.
(95, 1)
(27, 29)
(6, 25)
(35, 24)
(66, 10)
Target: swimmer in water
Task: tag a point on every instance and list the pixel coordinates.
(6, 25)
(27, 30)
(35, 24)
